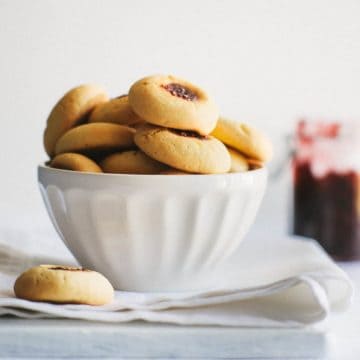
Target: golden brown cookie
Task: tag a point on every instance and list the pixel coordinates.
(131, 162)
(244, 138)
(70, 111)
(64, 284)
(238, 161)
(75, 162)
(255, 164)
(183, 150)
(116, 111)
(174, 103)
(96, 137)
(175, 172)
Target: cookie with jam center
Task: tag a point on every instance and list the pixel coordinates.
(71, 110)
(244, 138)
(116, 111)
(96, 137)
(174, 103)
(75, 162)
(184, 150)
(64, 285)
(131, 162)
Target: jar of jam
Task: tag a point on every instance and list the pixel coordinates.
(326, 176)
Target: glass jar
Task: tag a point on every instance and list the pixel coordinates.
(326, 177)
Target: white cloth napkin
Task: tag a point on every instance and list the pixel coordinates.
(283, 283)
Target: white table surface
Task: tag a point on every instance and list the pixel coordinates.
(75, 339)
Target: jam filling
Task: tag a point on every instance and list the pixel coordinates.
(180, 91)
(325, 209)
(68, 268)
(192, 134)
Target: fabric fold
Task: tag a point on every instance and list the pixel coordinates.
(297, 285)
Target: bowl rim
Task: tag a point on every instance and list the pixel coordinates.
(44, 167)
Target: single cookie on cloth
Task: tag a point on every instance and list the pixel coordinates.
(131, 162)
(75, 162)
(175, 103)
(239, 162)
(64, 284)
(184, 150)
(70, 111)
(244, 138)
(116, 111)
(96, 137)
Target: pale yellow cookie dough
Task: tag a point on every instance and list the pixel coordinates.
(244, 138)
(238, 161)
(71, 110)
(175, 103)
(116, 111)
(96, 137)
(131, 162)
(64, 284)
(184, 151)
(75, 162)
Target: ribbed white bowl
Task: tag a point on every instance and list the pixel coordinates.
(152, 232)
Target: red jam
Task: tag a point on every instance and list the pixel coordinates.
(188, 133)
(67, 268)
(327, 207)
(180, 91)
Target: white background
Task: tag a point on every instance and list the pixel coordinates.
(265, 62)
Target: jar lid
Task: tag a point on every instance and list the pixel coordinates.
(328, 146)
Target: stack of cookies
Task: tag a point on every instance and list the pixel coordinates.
(165, 125)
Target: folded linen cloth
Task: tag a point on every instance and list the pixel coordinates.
(282, 283)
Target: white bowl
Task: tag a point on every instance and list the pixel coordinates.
(152, 232)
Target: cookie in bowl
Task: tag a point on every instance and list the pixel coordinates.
(175, 103)
(96, 137)
(174, 172)
(71, 110)
(244, 138)
(255, 164)
(75, 162)
(239, 163)
(131, 162)
(116, 111)
(184, 150)
(64, 284)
